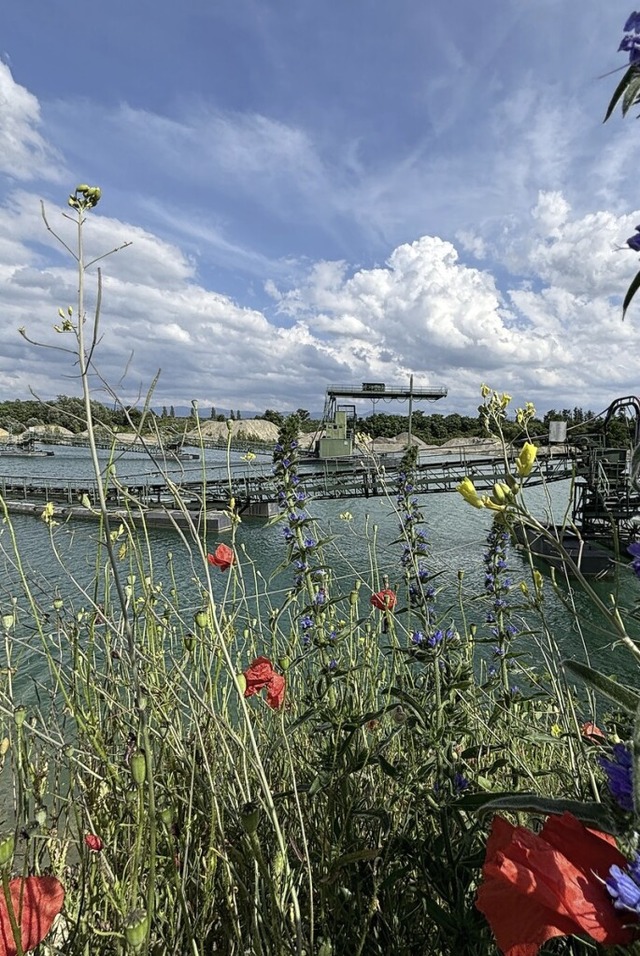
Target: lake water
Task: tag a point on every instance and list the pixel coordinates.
(456, 534)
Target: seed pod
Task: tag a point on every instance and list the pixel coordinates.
(138, 766)
(189, 642)
(136, 928)
(19, 715)
(7, 846)
(249, 817)
(202, 619)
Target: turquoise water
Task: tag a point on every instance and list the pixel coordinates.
(456, 534)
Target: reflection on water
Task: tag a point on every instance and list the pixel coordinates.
(456, 535)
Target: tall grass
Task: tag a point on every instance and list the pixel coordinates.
(183, 816)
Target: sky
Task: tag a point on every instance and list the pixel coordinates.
(320, 193)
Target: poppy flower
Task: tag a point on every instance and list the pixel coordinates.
(223, 557)
(36, 901)
(537, 886)
(590, 731)
(93, 842)
(384, 600)
(260, 674)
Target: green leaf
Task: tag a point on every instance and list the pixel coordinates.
(620, 89)
(631, 94)
(631, 291)
(628, 699)
(591, 814)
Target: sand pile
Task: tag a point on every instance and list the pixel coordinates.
(250, 429)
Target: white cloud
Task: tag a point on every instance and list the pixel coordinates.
(24, 152)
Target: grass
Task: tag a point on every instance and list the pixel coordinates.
(183, 816)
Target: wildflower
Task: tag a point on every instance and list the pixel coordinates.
(346, 516)
(538, 886)
(36, 901)
(634, 551)
(619, 775)
(634, 241)
(384, 600)
(590, 732)
(624, 886)
(526, 459)
(93, 842)
(223, 557)
(260, 674)
(469, 493)
(417, 637)
(631, 40)
(306, 622)
(460, 782)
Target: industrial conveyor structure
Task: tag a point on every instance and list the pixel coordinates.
(339, 420)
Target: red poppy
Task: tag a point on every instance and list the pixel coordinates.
(93, 841)
(384, 600)
(41, 899)
(261, 674)
(590, 732)
(537, 886)
(223, 557)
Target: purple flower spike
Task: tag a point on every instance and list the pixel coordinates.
(634, 241)
(619, 773)
(623, 887)
(633, 23)
(631, 44)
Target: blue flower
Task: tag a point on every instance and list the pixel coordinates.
(417, 637)
(435, 638)
(460, 783)
(633, 23)
(624, 886)
(306, 622)
(631, 45)
(634, 549)
(619, 775)
(333, 664)
(634, 241)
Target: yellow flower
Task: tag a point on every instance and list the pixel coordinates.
(526, 459)
(556, 730)
(469, 493)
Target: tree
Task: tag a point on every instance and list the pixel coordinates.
(212, 416)
(172, 412)
(164, 411)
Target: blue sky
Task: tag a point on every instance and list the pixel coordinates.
(322, 192)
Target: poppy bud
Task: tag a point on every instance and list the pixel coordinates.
(7, 846)
(138, 766)
(189, 642)
(201, 619)
(166, 816)
(19, 715)
(249, 817)
(136, 927)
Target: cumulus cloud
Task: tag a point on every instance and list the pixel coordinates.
(557, 340)
(24, 152)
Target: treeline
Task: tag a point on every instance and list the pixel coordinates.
(68, 412)
(64, 411)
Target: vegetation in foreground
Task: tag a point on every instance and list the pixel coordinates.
(366, 769)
